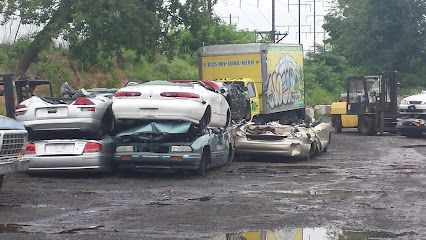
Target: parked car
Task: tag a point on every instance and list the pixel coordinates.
(70, 154)
(173, 145)
(84, 112)
(163, 100)
(282, 140)
(412, 120)
(13, 138)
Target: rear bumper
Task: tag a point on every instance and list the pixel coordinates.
(288, 148)
(88, 161)
(13, 166)
(81, 124)
(158, 161)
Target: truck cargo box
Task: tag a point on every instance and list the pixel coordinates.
(276, 69)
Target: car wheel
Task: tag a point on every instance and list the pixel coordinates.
(231, 155)
(1, 181)
(108, 123)
(201, 170)
(366, 125)
(228, 119)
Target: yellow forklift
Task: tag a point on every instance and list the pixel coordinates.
(370, 104)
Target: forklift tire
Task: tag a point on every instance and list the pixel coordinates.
(336, 121)
(366, 125)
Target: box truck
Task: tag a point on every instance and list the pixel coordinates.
(272, 76)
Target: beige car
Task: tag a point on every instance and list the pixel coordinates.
(282, 140)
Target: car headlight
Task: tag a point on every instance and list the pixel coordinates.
(404, 102)
(181, 149)
(124, 149)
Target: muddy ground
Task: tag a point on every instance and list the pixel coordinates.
(362, 188)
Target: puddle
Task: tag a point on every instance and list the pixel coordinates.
(414, 146)
(12, 228)
(311, 234)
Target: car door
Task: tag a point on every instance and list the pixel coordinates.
(218, 147)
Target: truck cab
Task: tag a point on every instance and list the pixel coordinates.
(251, 92)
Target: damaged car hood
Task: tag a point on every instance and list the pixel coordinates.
(155, 130)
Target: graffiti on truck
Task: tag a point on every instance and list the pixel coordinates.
(285, 83)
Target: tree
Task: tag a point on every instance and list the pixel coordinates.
(379, 35)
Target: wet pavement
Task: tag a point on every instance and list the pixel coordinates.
(361, 188)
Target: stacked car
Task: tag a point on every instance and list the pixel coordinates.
(412, 120)
(172, 125)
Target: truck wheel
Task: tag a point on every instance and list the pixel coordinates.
(1, 181)
(366, 125)
(336, 121)
(203, 164)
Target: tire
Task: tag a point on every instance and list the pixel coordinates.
(337, 123)
(108, 123)
(231, 155)
(228, 119)
(205, 120)
(1, 181)
(366, 125)
(201, 170)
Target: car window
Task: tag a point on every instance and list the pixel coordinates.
(250, 90)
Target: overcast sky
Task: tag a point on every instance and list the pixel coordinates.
(246, 14)
(257, 15)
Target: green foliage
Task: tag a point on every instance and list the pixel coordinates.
(161, 68)
(325, 75)
(381, 35)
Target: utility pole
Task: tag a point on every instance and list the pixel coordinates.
(299, 23)
(273, 22)
(315, 23)
(230, 19)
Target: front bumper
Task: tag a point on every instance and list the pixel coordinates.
(158, 161)
(15, 165)
(87, 161)
(81, 124)
(285, 148)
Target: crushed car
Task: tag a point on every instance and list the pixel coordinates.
(412, 119)
(70, 155)
(275, 139)
(165, 100)
(13, 138)
(86, 112)
(173, 145)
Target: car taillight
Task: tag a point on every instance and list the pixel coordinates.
(127, 94)
(179, 94)
(20, 106)
(83, 101)
(30, 149)
(92, 147)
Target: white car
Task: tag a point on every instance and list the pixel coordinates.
(163, 100)
(85, 112)
(415, 104)
(412, 120)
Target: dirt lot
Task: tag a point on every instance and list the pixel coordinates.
(362, 188)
